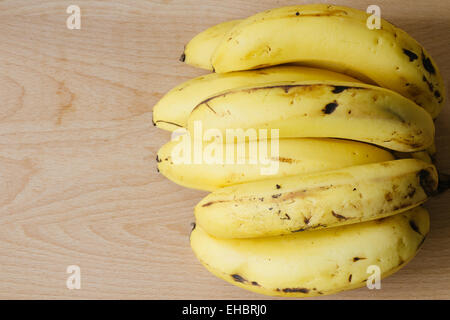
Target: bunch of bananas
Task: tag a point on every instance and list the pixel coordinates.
(354, 110)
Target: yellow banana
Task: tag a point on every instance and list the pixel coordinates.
(337, 38)
(172, 111)
(199, 50)
(332, 109)
(295, 156)
(317, 200)
(314, 263)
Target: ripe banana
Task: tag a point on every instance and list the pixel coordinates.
(199, 50)
(317, 200)
(336, 38)
(172, 111)
(314, 263)
(332, 109)
(295, 156)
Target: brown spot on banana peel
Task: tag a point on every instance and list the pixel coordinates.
(427, 64)
(212, 202)
(411, 191)
(286, 160)
(208, 204)
(209, 107)
(338, 216)
(427, 182)
(411, 55)
(355, 259)
(292, 290)
(388, 196)
(278, 186)
(350, 278)
(310, 228)
(330, 107)
(430, 85)
(238, 278)
(414, 91)
(437, 94)
(286, 89)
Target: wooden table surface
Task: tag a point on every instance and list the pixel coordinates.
(78, 182)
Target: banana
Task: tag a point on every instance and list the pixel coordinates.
(295, 156)
(314, 263)
(172, 111)
(331, 109)
(199, 50)
(317, 200)
(337, 38)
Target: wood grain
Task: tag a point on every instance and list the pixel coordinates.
(78, 183)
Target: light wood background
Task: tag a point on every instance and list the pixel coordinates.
(78, 182)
